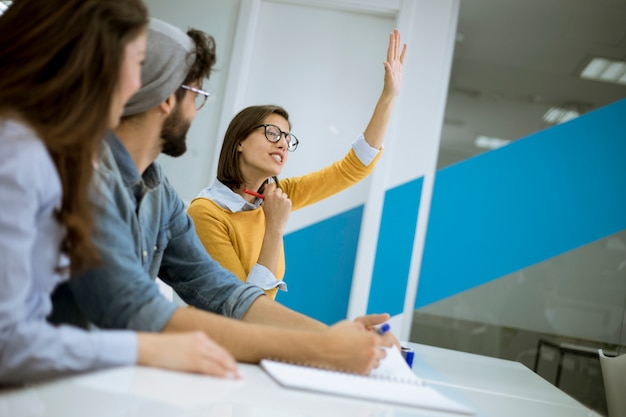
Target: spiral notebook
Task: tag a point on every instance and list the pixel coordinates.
(392, 382)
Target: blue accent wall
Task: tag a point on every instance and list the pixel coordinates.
(320, 264)
(529, 201)
(394, 249)
(491, 215)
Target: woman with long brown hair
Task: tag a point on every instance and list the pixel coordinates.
(67, 67)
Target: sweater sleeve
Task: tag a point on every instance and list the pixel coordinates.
(318, 185)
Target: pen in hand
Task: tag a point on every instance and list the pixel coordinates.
(383, 329)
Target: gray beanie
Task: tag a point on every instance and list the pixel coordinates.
(169, 56)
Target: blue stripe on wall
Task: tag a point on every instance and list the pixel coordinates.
(536, 198)
(394, 249)
(320, 264)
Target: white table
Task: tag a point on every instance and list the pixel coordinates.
(493, 387)
(484, 382)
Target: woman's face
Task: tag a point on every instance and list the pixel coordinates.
(130, 77)
(260, 158)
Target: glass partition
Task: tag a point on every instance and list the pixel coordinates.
(506, 78)
(552, 317)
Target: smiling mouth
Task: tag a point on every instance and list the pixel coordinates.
(277, 157)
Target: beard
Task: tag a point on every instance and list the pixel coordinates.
(174, 133)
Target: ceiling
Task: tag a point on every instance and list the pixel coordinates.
(514, 59)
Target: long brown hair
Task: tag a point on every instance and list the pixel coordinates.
(61, 62)
(228, 168)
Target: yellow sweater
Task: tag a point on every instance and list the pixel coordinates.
(235, 239)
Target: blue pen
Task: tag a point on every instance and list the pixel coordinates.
(383, 329)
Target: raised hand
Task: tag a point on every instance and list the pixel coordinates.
(394, 65)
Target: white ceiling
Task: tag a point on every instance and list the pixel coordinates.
(514, 59)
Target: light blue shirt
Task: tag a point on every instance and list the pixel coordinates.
(142, 231)
(224, 197)
(30, 237)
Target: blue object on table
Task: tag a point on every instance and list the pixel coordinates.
(408, 354)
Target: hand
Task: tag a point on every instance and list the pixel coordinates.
(349, 347)
(394, 65)
(372, 321)
(189, 352)
(277, 208)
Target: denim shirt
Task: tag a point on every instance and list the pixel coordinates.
(143, 231)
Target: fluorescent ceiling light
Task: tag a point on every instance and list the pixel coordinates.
(603, 69)
(556, 115)
(4, 5)
(487, 142)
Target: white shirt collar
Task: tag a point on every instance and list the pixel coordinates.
(228, 199)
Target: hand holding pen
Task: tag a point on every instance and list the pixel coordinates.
(277, 208)
(375, 322)
(384, 328)
(407, 352)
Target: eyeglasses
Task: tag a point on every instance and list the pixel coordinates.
(200, 95)
(273, 134)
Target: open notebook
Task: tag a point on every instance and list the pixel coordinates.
(393, 382)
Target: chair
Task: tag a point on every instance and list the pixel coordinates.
(614, 376)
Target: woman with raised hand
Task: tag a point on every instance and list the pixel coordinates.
(67, 69)
(241, 218)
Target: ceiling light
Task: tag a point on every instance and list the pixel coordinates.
(4, 5)
(604, 69)
(487, 142)
(556, 115)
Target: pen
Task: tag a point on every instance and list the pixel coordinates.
(383, 329)
(254, 193)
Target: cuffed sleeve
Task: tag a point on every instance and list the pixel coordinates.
(263, 278)
(241, 300)
(364, 151)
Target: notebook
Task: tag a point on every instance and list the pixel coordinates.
(392, 382)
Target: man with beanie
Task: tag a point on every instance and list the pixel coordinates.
(142, 231)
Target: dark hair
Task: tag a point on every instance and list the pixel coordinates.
(61, 64)
(205, 59)
(228, 169)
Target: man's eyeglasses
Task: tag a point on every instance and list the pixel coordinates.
(200, 95)
(274, 134)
